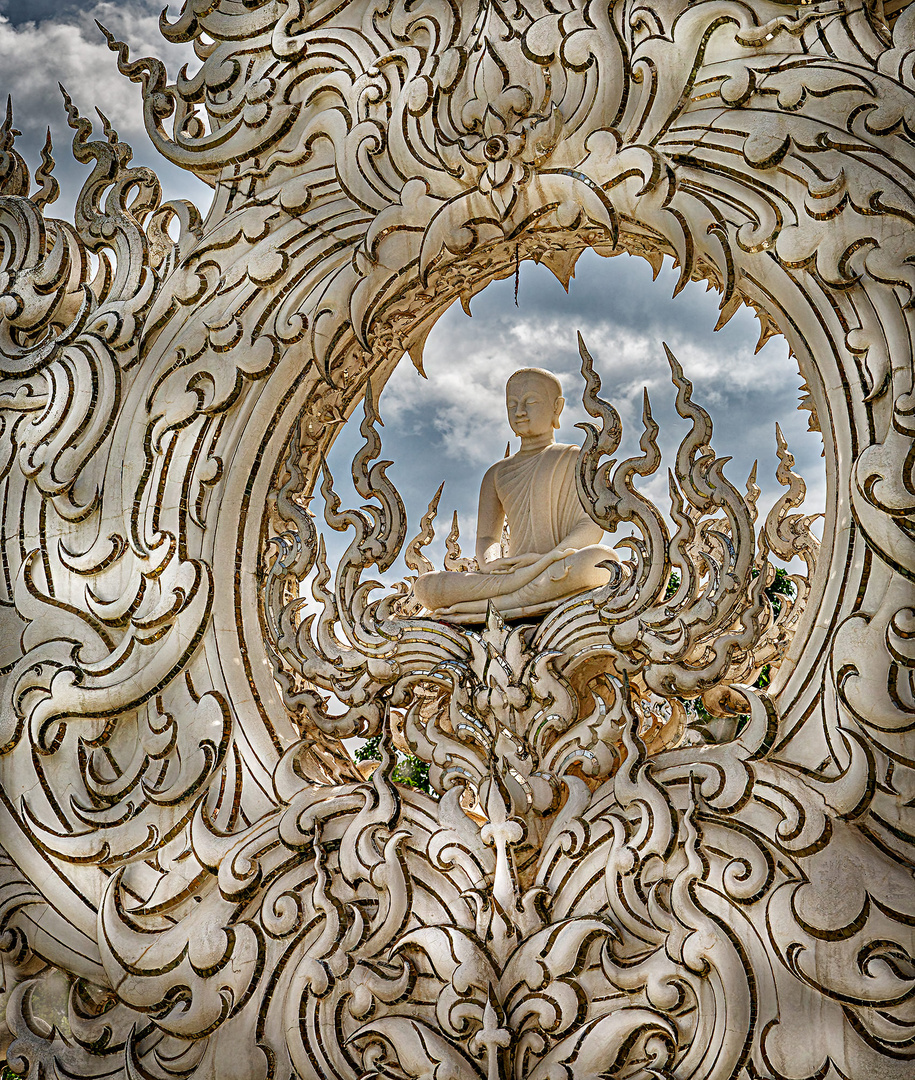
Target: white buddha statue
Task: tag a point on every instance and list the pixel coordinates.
(554, 546)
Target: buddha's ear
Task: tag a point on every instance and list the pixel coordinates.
(557, 410)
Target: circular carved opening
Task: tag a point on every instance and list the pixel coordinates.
(452, 425)
(495, 148)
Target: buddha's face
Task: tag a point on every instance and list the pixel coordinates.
(533, 405)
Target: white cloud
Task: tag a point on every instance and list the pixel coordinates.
(34, 57)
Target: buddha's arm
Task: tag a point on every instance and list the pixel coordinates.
(583, 534)
(490, 519)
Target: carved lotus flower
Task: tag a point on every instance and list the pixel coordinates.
(504, 142)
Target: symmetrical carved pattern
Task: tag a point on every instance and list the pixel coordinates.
(182, 830)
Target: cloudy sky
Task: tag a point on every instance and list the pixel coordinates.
(46, 42)
(452, 425)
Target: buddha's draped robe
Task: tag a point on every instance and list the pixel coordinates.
(540, 499)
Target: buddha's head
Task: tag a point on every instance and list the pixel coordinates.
(533, 398)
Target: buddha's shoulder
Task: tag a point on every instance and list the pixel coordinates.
(555, 452)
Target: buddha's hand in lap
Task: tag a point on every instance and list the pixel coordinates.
(532, 563)
(510, 563)
(559, 568)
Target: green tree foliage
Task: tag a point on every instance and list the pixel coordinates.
(781, 585)
(409, 770)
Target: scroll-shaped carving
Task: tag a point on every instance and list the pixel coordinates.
(684, 642)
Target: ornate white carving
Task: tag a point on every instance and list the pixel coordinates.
(183, 832)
